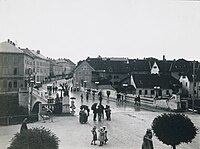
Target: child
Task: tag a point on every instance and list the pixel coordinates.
(94, 134)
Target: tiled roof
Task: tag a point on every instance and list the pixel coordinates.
(139, 65)
(110, 66)
(181, 65)
(163, 65)
(6, 47)
(38, 55)
(150, 81)
(28, 52)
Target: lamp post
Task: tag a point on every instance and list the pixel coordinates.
(30, 96)
(96, 84)
(156, 88)
(193, 93)
(85, 83)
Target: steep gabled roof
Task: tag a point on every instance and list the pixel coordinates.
(6, 47)
(150, 81)
(163, 65)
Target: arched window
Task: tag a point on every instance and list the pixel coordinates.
(10, 84)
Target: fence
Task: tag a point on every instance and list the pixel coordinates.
(13, 120)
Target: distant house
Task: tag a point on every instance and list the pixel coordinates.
(100, 71)
(148, 84)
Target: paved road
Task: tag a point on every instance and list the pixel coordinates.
(125, 130)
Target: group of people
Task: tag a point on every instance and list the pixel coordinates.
(98, 110)
(102, 135)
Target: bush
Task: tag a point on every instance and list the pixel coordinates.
(35, 138)
(174, 129)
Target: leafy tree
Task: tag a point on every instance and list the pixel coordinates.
(174, 129)
(35, 138)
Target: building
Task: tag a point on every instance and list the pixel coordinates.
(67, 65)
(41, 67)
(12, 67)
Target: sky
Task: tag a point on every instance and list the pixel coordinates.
(77, 29)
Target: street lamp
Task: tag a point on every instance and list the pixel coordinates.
(96, 84)
(30, 96)
(156, 88)
(85, 83)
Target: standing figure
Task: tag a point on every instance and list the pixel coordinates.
(108, 94)
(94, 135)
(81, 97)
(93, 95)
(147, 140)
(101, 136)
(99, 113)
(118, 96)
(94, 109)
(105, 135)
(87, 96)
(24, 126)
(108, 112)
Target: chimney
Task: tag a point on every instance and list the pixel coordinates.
(38, 51)
(164, 58)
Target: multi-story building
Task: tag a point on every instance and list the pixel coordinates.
(67, 65)
(56, 70)
(41, 67)
(12, 67)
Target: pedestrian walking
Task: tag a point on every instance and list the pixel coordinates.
(101, 136)
(81, 97)
(105, 135)
(147, 140)
(94, 135)
(24, 126)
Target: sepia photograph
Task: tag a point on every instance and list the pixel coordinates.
(111, 74)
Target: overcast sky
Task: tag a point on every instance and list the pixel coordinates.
(76, 29)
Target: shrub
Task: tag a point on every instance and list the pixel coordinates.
(35, 138)
(174, 129)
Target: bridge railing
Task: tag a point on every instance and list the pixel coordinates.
(13, 120)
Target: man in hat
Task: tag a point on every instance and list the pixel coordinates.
(94, 135)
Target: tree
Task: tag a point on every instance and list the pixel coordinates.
(174, 129)
(35, 138)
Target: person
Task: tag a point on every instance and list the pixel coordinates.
(94, 135)
(105, 135)
(147, 140)
(81, 97)
(24, 126)
(101, 136)
(108, 94)
(108, 112)
(50, 114)
(94, 109)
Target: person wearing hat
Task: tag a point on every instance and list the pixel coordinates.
(101, 136)
(105, 137)
(147, 140)
(94, 135)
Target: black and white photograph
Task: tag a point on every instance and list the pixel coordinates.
(91, 74)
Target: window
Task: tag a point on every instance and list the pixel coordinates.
(15, 84)
(167, 92)
(140, 92)
(195, 84)
(10, 84)
(15, 71)
(152, 92)
(186, 84)
(145, 92)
